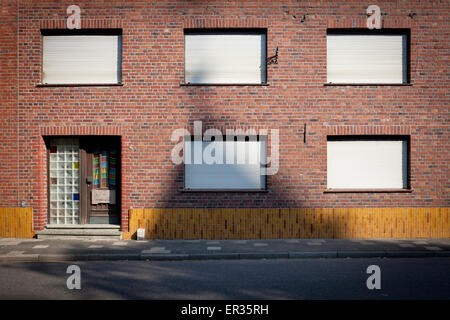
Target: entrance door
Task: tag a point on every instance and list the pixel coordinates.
(84, 185)
(100, 185)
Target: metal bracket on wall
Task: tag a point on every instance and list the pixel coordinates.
(304, 133)
(273, 59)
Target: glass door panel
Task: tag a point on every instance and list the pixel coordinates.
(64, 166)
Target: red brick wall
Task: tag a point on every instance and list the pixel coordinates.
(151, 103)
(8, 105)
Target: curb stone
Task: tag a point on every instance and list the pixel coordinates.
(262, 255)
(313, 254)
(213, 256)
(165, 256)
(221, 256)
(442, 254)
(19, 257)
(360, 254)
(89, 257)
(409, 254)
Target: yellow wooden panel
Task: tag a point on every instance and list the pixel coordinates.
(417, 223)
(296, 216)
(306, 222)
(335, 224)
(376, 223)
(329, 221)
(16, 223)
(446, 223)
(313, 223)
(434, 224)
(347, 217)
(405, 233)
(265, 223)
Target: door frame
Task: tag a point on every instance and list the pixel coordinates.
(84, 205)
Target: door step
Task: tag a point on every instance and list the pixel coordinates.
(83, 226)
(81, 231)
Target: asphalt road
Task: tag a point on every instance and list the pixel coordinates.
(412, 278)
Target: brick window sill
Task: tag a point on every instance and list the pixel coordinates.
(368, 190)
(224, 84)
(367, 84)
(80, 85)
(225, 190)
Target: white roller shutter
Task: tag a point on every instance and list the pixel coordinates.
(366, 58)
(238, 165)
(83, 59)
(367, 164)
(225, 58)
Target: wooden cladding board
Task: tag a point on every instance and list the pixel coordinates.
(327, 223)
(16, 223)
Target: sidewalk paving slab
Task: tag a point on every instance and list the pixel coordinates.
(73, 250)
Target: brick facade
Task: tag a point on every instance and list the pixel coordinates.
(152, 102)
(8, 105)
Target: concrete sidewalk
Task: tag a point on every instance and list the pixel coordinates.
(77, 250)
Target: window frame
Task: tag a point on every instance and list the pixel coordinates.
(224, 190)
(364, 31)
(82, 32)
(225, 30)
(383, 137)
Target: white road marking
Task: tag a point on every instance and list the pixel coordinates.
(406, 245)
(96, 246)
(41, 246)
(13, 253)
(214, 248)
(433, 248)
(9, 243)
(155, 250)
(314, 243)
(366, 243)
(258, 244)
(120, 243)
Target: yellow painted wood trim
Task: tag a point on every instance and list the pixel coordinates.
(284, 223)
(16, 223)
